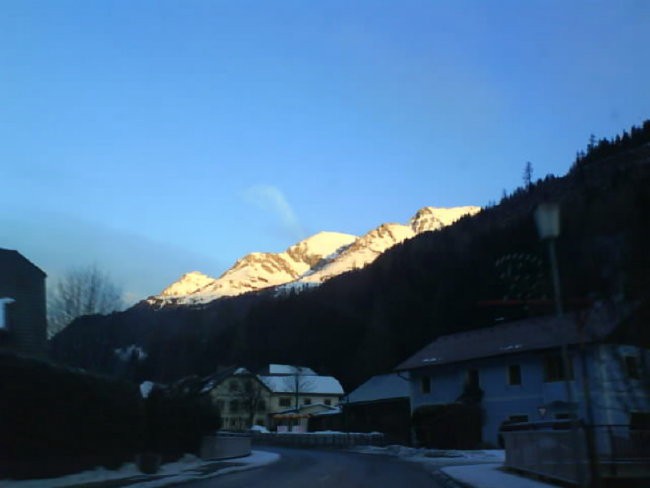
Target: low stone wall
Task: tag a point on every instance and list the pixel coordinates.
(320, 439)
(224, 445)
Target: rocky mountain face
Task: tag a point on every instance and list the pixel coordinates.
(307, 263)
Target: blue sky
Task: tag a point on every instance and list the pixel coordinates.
(154, 138)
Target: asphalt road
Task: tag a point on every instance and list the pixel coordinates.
(299, 468)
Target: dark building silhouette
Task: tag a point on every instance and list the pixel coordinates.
(23, 323)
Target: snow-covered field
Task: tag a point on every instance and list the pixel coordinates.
(185, 469)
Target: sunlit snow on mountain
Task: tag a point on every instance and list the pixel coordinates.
(307, 263)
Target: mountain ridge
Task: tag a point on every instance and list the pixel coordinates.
(307, 263)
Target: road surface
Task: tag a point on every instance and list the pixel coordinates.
(312, 468)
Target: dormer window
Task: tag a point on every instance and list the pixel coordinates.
(4, 322)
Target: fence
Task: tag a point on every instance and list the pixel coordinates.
(620, 452)
(320, 439)
(224, 445)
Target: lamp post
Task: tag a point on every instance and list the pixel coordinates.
(547, 220)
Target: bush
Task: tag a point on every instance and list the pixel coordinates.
(56, 421)
(177, 420)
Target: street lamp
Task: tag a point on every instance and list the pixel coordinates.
(547, 220)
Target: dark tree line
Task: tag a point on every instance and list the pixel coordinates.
(603, 148)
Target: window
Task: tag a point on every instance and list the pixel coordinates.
(306, 401)
(514, 374)
(328, 402)
(518, 418)
(632, 368)
(472, 378)
(4, 322)
(285, 402)
(425, 385)
(233, 386)
(234, 406)
(562, 416)
(554, 368)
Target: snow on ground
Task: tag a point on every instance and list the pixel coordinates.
(185, 469)
(491, 476)
(478, 469)
(255, 460)
(440, 457)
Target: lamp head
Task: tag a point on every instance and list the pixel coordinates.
(547, 219)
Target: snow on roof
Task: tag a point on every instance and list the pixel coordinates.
(145, 388)
(313, 385)
(380, 387)
(524, 335)
(287, 369)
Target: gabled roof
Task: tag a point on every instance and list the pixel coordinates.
(286, 369)
(215, 379)
(380, 387)
(11, 255)
(307, 385)
(524, 335)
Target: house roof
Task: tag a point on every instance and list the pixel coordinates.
(286, 369)
(514, 337)
(215, 379)
(310, 384)
(10, 254)
(380, 387)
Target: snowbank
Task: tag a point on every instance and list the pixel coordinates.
(185, 469)
(491, 476)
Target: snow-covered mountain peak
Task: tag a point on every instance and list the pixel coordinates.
(187, 284)
(313, 249)
(307, 263)
(434, 218)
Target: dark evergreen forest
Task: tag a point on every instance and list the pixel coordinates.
(482, 270)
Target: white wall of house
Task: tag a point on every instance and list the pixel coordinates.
(615, 393)
(284, 401)
(228, 397)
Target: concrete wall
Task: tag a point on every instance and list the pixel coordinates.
(225, 445)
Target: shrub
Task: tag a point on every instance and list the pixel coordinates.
(55, 421)
(177, 420)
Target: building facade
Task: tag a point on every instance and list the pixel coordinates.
(515, 373)
(292, 393)
(242, 399)
(23, 322)
(381, 404)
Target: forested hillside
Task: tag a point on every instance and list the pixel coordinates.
(365, 322)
